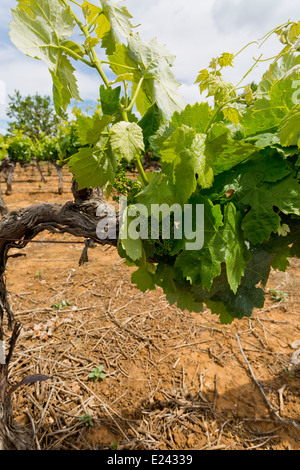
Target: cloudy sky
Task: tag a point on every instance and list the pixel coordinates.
(193, 30)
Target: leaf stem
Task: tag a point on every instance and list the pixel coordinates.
(133, 100)
(75, 55)
(118, 65)
(94, 58)
(78, 4)
(141, 171)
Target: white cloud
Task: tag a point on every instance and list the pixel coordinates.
(197, 30)
(193, 30)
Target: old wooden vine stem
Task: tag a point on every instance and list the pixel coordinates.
(78, 218)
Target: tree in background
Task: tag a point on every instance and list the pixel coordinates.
(34, 115)
(33, 120)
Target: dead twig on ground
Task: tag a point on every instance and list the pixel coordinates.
(262, 390)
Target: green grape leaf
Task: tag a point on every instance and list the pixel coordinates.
(39, 27)
(133, 248)
(89, 129)
(199, 266)
(222, 90)
(118, 18)
(110, 99)
(224, 152)
(281, 259)
(276, 72)
(268, 112)
(223, 243)
(262, 220)
(159, 191)
(290, 128)
(165, 278)
(234, 251)
(94, 166)
(94, 15)
(220, 309)
(226, 59)
(154, 62)
(150, 122)
(184, 300)
(202, 266)
(120, 62)
(196, 116)
(186, 162)
(143, 279)
(127, 77)
(229, 305)
(74, 47)
(232, 114)
(127, 140)
(257, 187)
(151, 63)
(64, 85)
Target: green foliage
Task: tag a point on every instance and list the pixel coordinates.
(124, 185)
(87, 419)
(278, 295)
(37, 132)
(238, 158)
(62, 304)
(97, 374)
(20, 147)
(32, 115)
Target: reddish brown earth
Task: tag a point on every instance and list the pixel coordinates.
(174, 380)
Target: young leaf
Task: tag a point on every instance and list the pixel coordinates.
(89, 129)
(119, 20)
(126, 140)
(95, 16)
(231, 114)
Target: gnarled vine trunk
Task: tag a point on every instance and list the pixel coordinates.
(60, 177)
(3, 166)
(79, 218)
(12, 435)
(11, 169)
(3, 208)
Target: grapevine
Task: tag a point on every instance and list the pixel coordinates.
(238, 158)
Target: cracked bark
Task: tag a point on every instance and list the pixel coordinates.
(80, 218)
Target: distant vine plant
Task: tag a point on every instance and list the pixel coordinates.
(239, 157)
